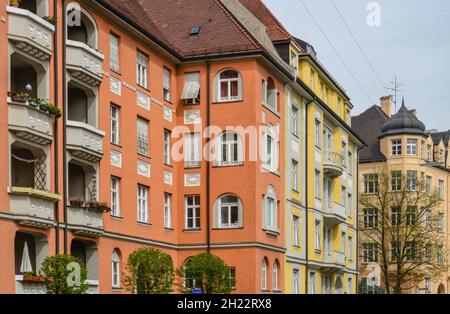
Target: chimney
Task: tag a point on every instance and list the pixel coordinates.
(386, 104)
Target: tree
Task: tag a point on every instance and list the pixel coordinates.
(208, 273)
(149, 271)
(402, 229)
(64, 274)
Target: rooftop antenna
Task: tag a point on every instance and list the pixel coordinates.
(395, 89)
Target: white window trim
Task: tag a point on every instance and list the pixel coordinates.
(115, 191)
(193, 208)
(143, 203)
(115, 269)
(115, 123)
(167, 211)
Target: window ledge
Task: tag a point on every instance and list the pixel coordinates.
(277, 291)
(144, 224)
(227, 101)
(192, 230)
(117, 217)
(272, 232)
(228, 228)
(219, 164)
(117, 289)
(170, 229)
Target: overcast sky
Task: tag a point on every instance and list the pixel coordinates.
(413, 42)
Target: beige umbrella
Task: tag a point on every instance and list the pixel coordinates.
(25, 266)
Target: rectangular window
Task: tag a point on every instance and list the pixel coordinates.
(396, 181)
(115, 125)
(441, 190)
(410, 251)
(370, 218)
(411, 147)
(232, 277)
(350, 163)
(350, 248)
(411, 215)
(396, 147)
(350, 205)
(317, 235)
(193, 212)
(312, 283)
(296, 230)
(142, 69)
(166, 84)
(167, 136)
(115, 197)
(429, 152)
(295, 121)
(396, 216)
(295, 282)
(427, 285)
(191, 89)
(294, 175)
(371, 183)
(395, 251)
(370, 252)
(264, 99)
(343, 196)
(192, 150)
(317, 191)
(142, 137)
(441, 221)
(311, 79)
(317, 137)
(114, 60)
(344, 154)
(428, 185)
(350, 286)
(167, 211)
(411, 180)
(142, 197)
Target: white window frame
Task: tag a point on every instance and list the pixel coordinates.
(264, 275)
(317, 185)
(441, 189)
(231, 144)
(192, 212)
(370, 183)
(115, 196)
(229, 207)
(115, 270)
(114, 52)
(166, 84)
(192, 150)
(228, 81)
(296, 230)
(191, 88)
(167, 147)
(396, 181)
(294, 174)
(317, 242)
(295, 120)
(295, 281)
(270, 210)
(312, 283)
(115, 124)
(411, 147)
(411, 180)
(396, 147)
(317, 133)
(141, 69)
(143, 203)
(275, 276)
(143, 145)
(167, 211)
(350, 248)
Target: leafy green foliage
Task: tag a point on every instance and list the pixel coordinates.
(149, 271)
(61, 278)
(208, 272)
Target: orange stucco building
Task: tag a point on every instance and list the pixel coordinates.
(134, 80)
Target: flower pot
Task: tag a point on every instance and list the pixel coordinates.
(43, 108)
(16, 98)
(33, 278)
(33, 104)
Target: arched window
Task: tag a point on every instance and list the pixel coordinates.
(264, 274)
(275, 275)
(228, 212)
(81, 26)
(229, 150)
(270, 205)
(229, 86)
(115, 269)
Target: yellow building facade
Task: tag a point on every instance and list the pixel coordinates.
(321, 181)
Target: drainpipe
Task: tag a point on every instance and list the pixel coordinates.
(208, 162)
(64, 117)
(306, 195)
(55, 124)
(357, 220)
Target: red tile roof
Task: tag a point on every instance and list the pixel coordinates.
(275, 29)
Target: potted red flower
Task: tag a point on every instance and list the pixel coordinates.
(33, 277)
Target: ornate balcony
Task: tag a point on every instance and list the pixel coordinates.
(30, 123)
(333, 164)
(86, 218)
(334, 261)
(29, 287)
(84, 63)
(30, 33)
(334, 215)
(33, 207)
(85, 141)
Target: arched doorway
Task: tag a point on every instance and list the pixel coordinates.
(441, 289)
(338, 287)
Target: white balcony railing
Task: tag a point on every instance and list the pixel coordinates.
(30, 123)
(333, 163)
(30, 33)
(84, 63)
(85, 141)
